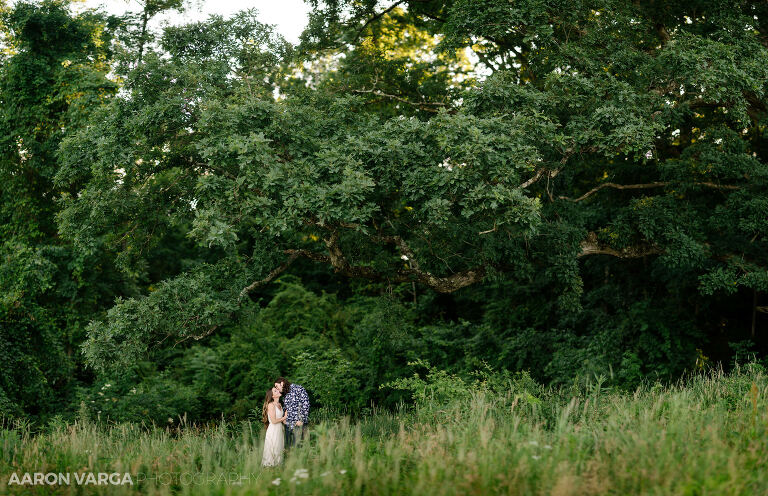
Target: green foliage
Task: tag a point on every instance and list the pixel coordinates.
(526, 175)
(439, 393)
(330, 377)
(53, 71)
(572, 189)
(204, 300)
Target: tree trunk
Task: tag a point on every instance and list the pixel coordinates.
(754, 311)
(143, 35)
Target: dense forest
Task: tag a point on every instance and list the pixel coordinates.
(577, 189)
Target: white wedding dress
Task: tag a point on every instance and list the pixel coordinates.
(274, 441)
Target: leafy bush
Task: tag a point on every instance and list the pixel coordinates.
(328, 375)
(440, 394)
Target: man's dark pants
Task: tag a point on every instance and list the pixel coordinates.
(295, 435)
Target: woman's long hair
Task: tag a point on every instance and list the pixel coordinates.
(264, 414)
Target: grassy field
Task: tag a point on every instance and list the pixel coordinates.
(705, 435)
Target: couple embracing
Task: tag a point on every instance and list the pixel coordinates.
(284, 421)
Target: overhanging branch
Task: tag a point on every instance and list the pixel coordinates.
(336, 258)
(341, 265)
(376, 17)
(541, 173)
(274, 273)
(591, 246)
(660, 184)
(445, 284)
(426, 106)
(551, 173)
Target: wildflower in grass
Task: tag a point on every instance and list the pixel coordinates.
(324, 474)
(170, 420)
(547, 447)
(276, 481)
(536, 457)
(342, 471)
(301, 473)
(533, 443)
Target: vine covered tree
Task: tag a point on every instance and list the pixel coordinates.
(53, 72)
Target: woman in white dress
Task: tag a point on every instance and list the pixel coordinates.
(273, 418)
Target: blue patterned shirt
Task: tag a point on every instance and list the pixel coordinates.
(296, 405)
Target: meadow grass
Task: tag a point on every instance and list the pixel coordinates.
(705, 435)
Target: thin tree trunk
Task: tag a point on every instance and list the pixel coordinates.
(754, 311)
(142, 37)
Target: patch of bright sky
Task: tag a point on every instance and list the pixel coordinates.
(288, 16)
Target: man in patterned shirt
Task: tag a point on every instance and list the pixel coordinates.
(296, 402)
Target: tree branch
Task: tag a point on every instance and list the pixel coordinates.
(376, 17)
(544, 172)
(646, 186)
(336, 259)
(403, 100)
(661, 30)
(614, 185)
(591, 246)
(551, 173)
(274, 273)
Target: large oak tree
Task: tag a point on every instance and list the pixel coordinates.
(604, 130)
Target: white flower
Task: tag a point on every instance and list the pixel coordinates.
(404, 257)
(133, 390)
(324, 474)
(547, 447)
(533, 443)
(301, 472)
(342, 471)
(649, 154)
(535, 457)
(276, 481)
(448, 164)
(170, 420)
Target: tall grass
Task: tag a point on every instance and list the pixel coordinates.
(704, 435)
